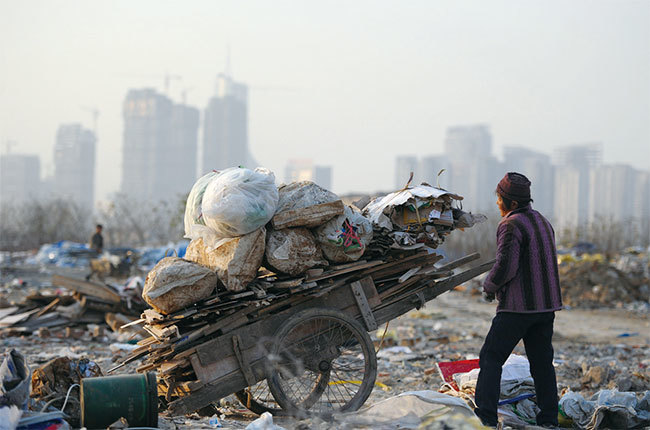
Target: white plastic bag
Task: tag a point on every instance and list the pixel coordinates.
(194, 222)
(238, 201)
(345, 237)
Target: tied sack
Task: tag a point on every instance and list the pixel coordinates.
(236, 261)
(305, 204)
(293, 251)
(175, 283)
(345, 238)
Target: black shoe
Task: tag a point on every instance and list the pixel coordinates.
(485, 423)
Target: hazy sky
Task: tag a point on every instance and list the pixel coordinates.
(350, 84)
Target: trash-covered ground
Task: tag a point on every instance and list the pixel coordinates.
(272, 283)
(595, 349)
(592, 281)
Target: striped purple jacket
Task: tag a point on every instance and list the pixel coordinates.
(525, 276)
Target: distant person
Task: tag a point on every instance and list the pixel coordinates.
(525, 281)
(97, 240)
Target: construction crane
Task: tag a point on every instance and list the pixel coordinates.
(95, 113)
(168, 78)
(8, 144)
(184, 94)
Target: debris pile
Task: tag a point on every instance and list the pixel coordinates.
(415, 218)
(597, 283)
(89, 303)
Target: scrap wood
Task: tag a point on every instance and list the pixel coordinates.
(87, 288)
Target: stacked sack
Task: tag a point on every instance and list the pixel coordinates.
(238, 220)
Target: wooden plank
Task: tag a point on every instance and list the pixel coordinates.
(330, 274)
(405, 277)
(4, 312)
(86, 287)
(459, 262)
(430, 290)
(16, 318)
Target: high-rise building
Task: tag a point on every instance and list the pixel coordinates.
(20, 178)
(474, 171)
(305, 170)
(431, 166)
(572, 183)
(468, 140)
(641, 206)
(611, 193)
(74, 165)
(621, 194)
(225, 128)
(160, 146)
(404, 166)
(183, 149)
(538, 168)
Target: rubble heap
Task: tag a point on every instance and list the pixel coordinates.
(596, 283)
(89, 303)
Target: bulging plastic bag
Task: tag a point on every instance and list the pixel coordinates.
(194, 222)
(238, 201)
(293, 251)
(345, 237)
(175, 283)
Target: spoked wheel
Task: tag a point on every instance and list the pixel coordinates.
(322, 361)
(259, 399)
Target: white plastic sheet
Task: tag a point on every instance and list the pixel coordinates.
(407, 410)
(194, 222)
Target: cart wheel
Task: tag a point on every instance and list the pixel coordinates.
(322, 361)
(259, 399)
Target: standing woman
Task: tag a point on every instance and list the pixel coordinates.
(525, 281)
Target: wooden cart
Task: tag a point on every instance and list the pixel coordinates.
(310, 352)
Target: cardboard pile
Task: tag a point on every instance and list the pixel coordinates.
(415, 217)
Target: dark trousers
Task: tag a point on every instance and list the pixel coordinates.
(507, 329)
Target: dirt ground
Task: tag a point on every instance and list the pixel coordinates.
(594, 349)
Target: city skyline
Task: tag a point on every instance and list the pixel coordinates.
(349, 85)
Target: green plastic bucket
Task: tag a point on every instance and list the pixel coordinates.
(106, 399)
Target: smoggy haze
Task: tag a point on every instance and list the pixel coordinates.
(348, 84)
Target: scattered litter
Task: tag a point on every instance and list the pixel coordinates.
(264, 422)
(608, 409)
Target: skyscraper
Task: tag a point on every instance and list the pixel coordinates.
(572, 183)
(225, 130)
(74, 164)
(431, 166)
(20, 178)
(404, 165)
(183, 149)
(160, 146)
(538, 168)
(474, 172)
(305, 170)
